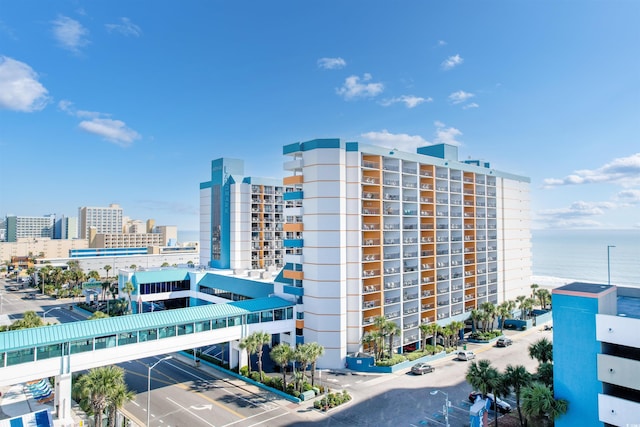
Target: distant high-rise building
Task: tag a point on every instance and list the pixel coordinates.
(3, 229)
(29, 226)
(66, 228)
(241, 219)
(104, 220)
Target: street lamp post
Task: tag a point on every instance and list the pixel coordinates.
(149, 368)
(609, 263)
(445, 408)
(44, 315)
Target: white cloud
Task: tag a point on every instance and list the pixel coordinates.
(470, 105)
(460, 96)
(624, 171)
(442, 43)
(331, 63)
(353, 88)
(628, 197)
(125, 27)
(452, 62)
(67, 107)
(70, 33)
(409, 101)
(20, 89)
(446, 135)
(397, 141)
(115, 131)
(577, 215)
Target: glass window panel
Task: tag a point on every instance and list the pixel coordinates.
(148, 335)
(20, 356)
(81, 346)
(105, 342)
(203, 326)
(235, 321)
(219, 323)
(266, 316)
(253, 318)
(289, 312)
(185, 329)
(167, 331)
(278, 314)
(49, 351)
(127, 338)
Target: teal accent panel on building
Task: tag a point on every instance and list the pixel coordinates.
(291, 148)
(293, 195)
(293, 243)
(352, 146)
(574, 358)
(320, 143)
(245, 287)
(442, 151)
(157, 276)
(293, 290)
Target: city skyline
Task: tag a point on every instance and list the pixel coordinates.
(124, 103)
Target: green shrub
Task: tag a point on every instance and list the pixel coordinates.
(332, 400)
(397, 358)
(244, 371)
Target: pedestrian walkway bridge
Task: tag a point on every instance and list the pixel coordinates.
(63, 349)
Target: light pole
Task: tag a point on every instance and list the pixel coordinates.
(445, 408)
(149, 368)
(609, 263)
(44, 315)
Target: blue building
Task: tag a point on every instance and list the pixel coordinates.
(596, 354)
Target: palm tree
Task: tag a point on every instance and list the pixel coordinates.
(261, 339)
(97, 386)
(541, 350)
(29, 320)
(434, 329)
(539, 405)
(534, 286)
(503, 312)
(490, 309)
(133, 266)
(456, 327)
(485, 378)
(528, 304)
(475, 318)
(517, 377)
(315, 351)
(249, 344)
(543, 296)
(117, 398)
(107, 268)
(105, 287)
(369, 340)
(282, 354)
(303, 356)
(391, 328)
(128, 288)
(545, 374)
(380, 322)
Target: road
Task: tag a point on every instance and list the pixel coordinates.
(181, 392)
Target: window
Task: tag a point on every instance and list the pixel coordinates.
(81, 346)
(167, 331)
(278, 314)
(127, 338)
(235, 321)
(49, 351)
(289, 312)
(185, 329)
(105, 342)
(203, 326)
(253, 318)
(20, 356)
(266, 316)
(148, 335)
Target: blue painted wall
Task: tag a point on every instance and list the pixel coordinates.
(574, 359)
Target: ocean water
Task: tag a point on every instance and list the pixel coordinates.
(560, 256)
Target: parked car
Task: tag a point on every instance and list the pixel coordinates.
(422, 368)
(548, 327)
(503, 407)
(465, 355)
(503, 342)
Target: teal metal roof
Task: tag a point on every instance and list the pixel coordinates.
(65, 332)
(157, 276)
(237, 285)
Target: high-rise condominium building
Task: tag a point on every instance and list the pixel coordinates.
(241, 219)
(19, 227)
(416, 238)
(104, 220)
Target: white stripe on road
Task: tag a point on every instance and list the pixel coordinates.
(195, 415)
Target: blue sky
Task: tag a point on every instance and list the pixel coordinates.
(128, 102)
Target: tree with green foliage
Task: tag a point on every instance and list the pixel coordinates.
(107, 268)
(517, 377)
(261, 339)
(29, 320)
(484, 378)
(97, 387)
(541, 350)
(315, 351)
(98, 315)
(119, 395)
(128, 288)
(250, 345)
(539, 405)
(282, 355)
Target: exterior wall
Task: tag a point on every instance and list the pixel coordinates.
(205, 225)
(414, 238)
(240, 227)
(56, 248)
(104, 220)
(20, 227)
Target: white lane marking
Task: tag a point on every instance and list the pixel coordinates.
(272, 418)
(195, 415)
(252, 416)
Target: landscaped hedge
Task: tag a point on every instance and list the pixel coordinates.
(332, 400)
(485, 336)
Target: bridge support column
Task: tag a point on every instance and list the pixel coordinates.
(235, 359)
(63, 399)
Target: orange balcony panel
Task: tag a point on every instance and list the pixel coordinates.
(293, 227)
(299, 324)
(291, 180)
(291, 274)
